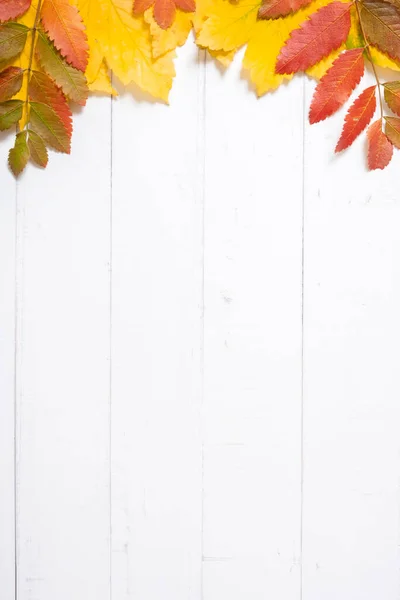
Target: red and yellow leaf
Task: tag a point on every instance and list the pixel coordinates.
(12, 9)
(324, 31)
(10, 82)
(336, 86)
(164, 10)
(19, 155)
(358, 116)
(272, 9)
(380, 148)
(65, 28)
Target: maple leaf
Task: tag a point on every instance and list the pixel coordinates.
(110, 27)
(272, 9)
(228, 26)
(392, 96)
(19, 155)
(380, 149)
(37, 149)
(381, 24)
(358, 116)
(12, 9)
(65, 28)
(10, 82)
(324, 31)
(337, 84)
(164, 10)
(165, 40)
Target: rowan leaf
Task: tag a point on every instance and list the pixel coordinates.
(19, 155)
(124, 41)
(381, 24)
(42, 89)
(12, 42)
(164, 10)
(65, 28)
(358, 117)
(10, 82)
(272, 9)
(37, 149)
(392, 96)
(47, 124)
(337, 85)
(380, 148)
(70, 80)
(324, 31)
(12, 9)
(10, 113)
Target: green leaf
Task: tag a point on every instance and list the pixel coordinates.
(19, 155)
(37, 149)
(48, 125)
(12, 42)
(381, 24)
(10, 82)
(392, 130)
(392, 96)
(10, 113)
(70, 80)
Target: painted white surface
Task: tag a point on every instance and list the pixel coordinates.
(199, 354)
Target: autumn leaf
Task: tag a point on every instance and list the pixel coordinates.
(164, 10)
(392, 130)
(10, 113)
(45, 122)
(337, 85)
(381, 24)
(37, 149)
(12, 9)
(272, 9)
(19, 155)
(165, 40)
(65, 28)
(358, 117)
(380, 149)
(42, 89)
(10, 82)
(392, 96)
(12, 42)
(324, 31)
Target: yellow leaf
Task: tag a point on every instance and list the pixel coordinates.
(165, 40)
(102, 82)
(124, 41)
(382, 60)
(318, 70)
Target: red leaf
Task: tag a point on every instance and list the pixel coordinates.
(380, 149)
(272, 9)
(10, 82)
(324, 31)
(164, 10)
(12, 9)
(42, 89)
(65, 27)
(337, 84)
(358, 116)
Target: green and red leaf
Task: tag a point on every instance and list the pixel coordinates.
(358, 117)
(12, 42)
(19, 155)
(392, 96)
(37, 149)
(46, 123)
(325, 31)
(42, 89)
(10, 113)
(392, 130)
(10, 82)
(337, 85)
(381, 25)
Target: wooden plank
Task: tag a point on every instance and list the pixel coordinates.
(157, 311)
(352, 385)
(63, 369)
(253, 250)
(7, 355)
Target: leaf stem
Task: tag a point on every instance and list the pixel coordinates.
(368, 51)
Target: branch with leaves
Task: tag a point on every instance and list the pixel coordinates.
(54, 52)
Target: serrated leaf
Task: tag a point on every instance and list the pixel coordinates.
(164, 10)
(10, 113)
(381, 24)
(380, 148)
(47, 124)
(392, 130)
(337, 85)
(42, 89)
(272, 9)
(65, 28)
(358, 117)
(324, 31)
(392, 96)
(10, 82)
(12, 9)
(19, 155)
(12, 41)
(70, 80)
(37, 149)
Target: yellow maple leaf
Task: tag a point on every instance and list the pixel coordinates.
(124, 42)
(165, 40)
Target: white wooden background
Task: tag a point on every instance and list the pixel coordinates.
(200, 355)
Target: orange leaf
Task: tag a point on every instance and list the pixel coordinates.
(325, 31)
(12, 9)
(380, 149)
(272, 9)
(358, 116)
(164, 10)
(42, 89)
(65, 27)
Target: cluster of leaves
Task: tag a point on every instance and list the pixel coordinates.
(53, 52)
